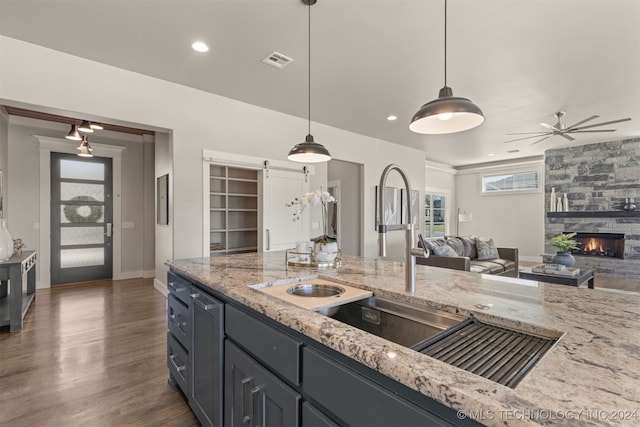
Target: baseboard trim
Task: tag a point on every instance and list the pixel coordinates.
(160, 287)
(149, 274)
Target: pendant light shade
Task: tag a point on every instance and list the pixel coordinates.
(73, 134)
(447, 113)
(95, 126)
(85, 126)
(309, 151)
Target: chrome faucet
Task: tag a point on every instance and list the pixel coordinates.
(410, 252)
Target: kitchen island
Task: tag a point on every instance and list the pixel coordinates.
(589, 378)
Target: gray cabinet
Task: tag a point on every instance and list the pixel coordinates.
(255, 397)
(179, 332)
(206, 359)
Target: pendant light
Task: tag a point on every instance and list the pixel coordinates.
(309, 151)
(84, 148)
(447, 114)
(73, 134)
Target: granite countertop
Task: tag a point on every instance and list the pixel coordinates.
(590, 378)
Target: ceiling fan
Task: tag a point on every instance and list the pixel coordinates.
(563, 130)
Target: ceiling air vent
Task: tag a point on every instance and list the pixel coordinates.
(277, 60)
(513, 151)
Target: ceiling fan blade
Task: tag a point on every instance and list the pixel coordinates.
(581, 122)
(588, 131)
(548, 126)
(527, 133)
(526, 137)
(602, 124)
(540, 140)
(566, 136)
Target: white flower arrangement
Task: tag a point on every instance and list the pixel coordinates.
(313, 198)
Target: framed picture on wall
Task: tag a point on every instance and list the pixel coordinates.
(391, 210)
(416, 209)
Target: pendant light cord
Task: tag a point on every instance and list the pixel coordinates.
(309, 72)
(445, 43)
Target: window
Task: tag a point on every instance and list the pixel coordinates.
(528, 181)
(434, 215)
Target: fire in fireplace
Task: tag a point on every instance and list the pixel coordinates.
(600, 244)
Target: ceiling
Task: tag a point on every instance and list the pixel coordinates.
(519, 61)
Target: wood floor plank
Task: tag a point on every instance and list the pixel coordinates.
(91, 355)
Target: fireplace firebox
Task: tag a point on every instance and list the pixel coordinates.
(600, 244)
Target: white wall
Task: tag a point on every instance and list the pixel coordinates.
(4, 146)
(47, 78)
(348, 174)
(163, 233)
(23, 184)
(512, 220)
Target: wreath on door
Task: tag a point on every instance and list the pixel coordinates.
(74, 213)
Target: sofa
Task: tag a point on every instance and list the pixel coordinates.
(470, 253)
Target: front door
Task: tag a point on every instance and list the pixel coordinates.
(81, 218)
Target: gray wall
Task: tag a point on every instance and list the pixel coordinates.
(350, 177)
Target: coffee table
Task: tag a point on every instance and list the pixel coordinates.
(584, 276)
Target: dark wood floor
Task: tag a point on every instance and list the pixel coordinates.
(90, 355)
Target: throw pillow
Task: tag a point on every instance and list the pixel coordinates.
(456, 244)
(486, 250)
(469, 243)
(444, 250)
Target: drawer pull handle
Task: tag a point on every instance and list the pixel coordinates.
(252, 409)
(209, 306)
(246, 416)
(172, 285)
(179, 368)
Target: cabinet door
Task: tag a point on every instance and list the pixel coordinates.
(206, 359)
(279, 230)
(254, 397)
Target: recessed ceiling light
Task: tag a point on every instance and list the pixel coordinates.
(200, 47)
(392, 118)
(491, 154)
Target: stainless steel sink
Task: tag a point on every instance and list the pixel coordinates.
(317, 290)
(404, 324)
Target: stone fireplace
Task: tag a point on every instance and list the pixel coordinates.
(597, 179)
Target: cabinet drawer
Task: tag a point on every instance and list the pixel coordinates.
(178, 287)
(358, 401)
(274, 348)
(313, 417)
(178, 363)
(179, 321)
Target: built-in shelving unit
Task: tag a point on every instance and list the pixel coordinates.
(233, 209)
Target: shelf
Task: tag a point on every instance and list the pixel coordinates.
(246, 248)
(5, 307)
(242, 195)
(594, 214)
(242, 210)
(218, 230)
(242, 180)
(242, 229)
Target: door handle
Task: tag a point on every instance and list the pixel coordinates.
(109, 229)
(246, 415)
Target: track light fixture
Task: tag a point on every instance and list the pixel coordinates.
(85, 126)
(95, 126)
(447, 114)
(309, 151)
(73, 134)
(84, 148)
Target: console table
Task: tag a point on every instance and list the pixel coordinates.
(584, 276)
(15, 303)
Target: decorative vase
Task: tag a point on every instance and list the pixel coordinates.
(325, 252)
(564, 258)
(6, 242)
(565, 203)
(552, 201)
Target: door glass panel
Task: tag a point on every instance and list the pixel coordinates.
(81, 257)
(80, 191)
(81, 214)
(81, 235)
(73, 169)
